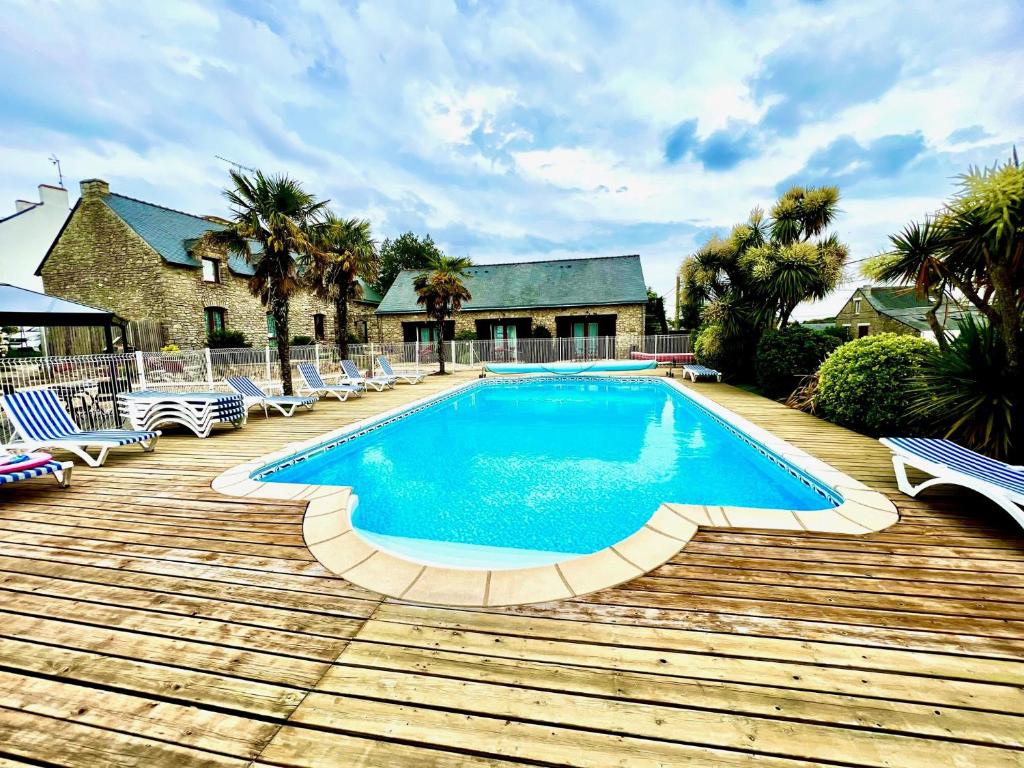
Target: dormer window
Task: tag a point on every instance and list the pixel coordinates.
(211, 270)
(856, 306)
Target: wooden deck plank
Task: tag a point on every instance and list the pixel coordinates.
(192, 628)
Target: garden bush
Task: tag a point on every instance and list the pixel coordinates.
(301, 341)
(866, 384)
(708, 348)
(785, 356)
(227, 340)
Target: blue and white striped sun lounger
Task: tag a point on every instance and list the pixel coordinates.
(252, 396)
(354, 376)
(61, 471)
(952, 464)
(40, 421)
(695, 372)
(316, 386)
(412, 376)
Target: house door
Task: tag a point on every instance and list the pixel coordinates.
(584, 337)
(505, 339)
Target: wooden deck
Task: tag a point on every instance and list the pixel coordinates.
(148, 621)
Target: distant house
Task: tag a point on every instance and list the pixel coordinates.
(27, 233)
(885, 309)
(570, 298)
(143, 261)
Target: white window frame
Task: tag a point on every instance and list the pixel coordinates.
(856, 306)
(215, 265)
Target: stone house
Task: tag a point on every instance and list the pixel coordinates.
(143, 262)
(570, 298)
(885, 309)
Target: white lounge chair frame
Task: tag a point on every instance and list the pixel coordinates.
(701, 372)
(943, 474)
(409, 377)
(340, 391)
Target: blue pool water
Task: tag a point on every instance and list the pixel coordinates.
(549, 465)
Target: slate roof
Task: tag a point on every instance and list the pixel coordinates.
(169, 232)
(904, 305)
(370, 294)
(599, 281)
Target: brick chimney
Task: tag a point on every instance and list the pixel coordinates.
(94, 188)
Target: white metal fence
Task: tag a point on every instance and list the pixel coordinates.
(88, 385)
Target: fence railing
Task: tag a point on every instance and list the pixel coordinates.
(88, 385)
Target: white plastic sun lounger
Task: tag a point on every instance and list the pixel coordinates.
(952, 464)
(40, 421)
(354, 376)
(316, 386)
(408, 376)
(253, 396)
(61, 471)
(695, 372)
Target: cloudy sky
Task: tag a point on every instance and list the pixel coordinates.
(518, 130)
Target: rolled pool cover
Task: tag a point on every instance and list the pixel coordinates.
(590, 366)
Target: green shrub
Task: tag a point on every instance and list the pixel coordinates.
(301, 341)
(707, 346)
(866, 384)
(227, 340)
(465, 335)
(965, 395)
(23, 352)
(841, 332)
(787, 355)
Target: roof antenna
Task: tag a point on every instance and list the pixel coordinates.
(60, 176)
(237, 165)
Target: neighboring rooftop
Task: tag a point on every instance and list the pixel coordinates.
(903, 304)
(20, 306)
(370, 294)
(607, 280)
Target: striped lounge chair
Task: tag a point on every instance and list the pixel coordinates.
(61, 471)
(253, 396)
(695, 372)
(411, 376)
(354, 376)
(316, 386)
(952, 464)
(40, 421)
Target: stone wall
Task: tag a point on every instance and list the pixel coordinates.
(100, 260)
(629, 319)
(876, 322)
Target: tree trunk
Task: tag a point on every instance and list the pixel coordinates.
(284, 357)
(1009, 322)
(932, 316)
(440, 345)
(341, 311)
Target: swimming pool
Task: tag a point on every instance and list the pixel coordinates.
(518, 473)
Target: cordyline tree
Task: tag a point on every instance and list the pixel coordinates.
(751, 281)
(271, 226)
(441, 291)
(971, 253)
(973, 249)
(348, 253)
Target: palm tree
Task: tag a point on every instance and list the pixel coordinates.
(441, 292)
(272, 222)
(349, 253)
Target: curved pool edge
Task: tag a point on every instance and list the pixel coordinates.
(330, 537)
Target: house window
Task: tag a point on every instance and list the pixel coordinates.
(863, 329)
(318, 327)
(214, 320)
(365, 325)
(211, 271)
(856, 306)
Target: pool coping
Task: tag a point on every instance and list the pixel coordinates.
(330, 537)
